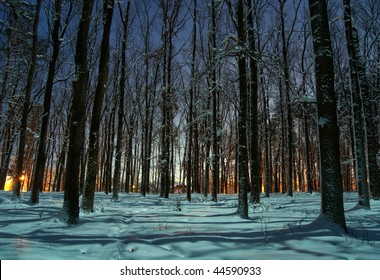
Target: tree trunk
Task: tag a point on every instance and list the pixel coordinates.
(283, 140)
(77, 121)
(165, 143)
(253, 116)
(267, 145)
(170, 19)
(370, 120)
(357, 106)
(242, 115)
(26, 106)
(93, 151)
(128, 155)
(214, 91)
(190, 166)
(207, 150)
(39, 167)
(307, 150)
(6, 150)
(117, 171)
(330, 171)
(287, 100)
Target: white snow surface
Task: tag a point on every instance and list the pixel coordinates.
(153, 228)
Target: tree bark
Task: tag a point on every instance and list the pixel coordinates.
(40, 161)
(253, 116)
(214, 91)
(330, 171)
(70, 208)
(357, 107)
(370, 120)
(117, 170)
(26, 106)
(190, 166)
(93, 151)
(242, 115)
(287, 99)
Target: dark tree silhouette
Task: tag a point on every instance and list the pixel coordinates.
(330, 170)
(70, 209)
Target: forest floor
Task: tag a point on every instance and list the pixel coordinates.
(153, 228)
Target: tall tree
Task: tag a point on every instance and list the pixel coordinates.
(286, 74)
(253, 110)
(26, 105)
(93, 151)
(330, 171)
(190, 165)
(171, 12)
(243, 113)
(117, 170)
(70, 209)
(357, 107)
(166, 106)
(40, 161)
(309, 182)
(214, 93)
(151, 71)
(14, 30)
(369, 100)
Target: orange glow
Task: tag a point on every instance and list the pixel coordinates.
(8, 184)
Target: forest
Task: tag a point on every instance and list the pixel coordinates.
(200, 97)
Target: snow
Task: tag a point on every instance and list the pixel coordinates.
(153, 228)
(323, 121)
(307, 99)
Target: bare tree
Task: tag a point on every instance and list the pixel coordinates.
(70, 209)
(243, 113)
(40, 161)
(26, 105)
(93, 153)
(151, 78)
(357, 107)
(214, 93)
(171, 12)
(370, 14)
(118, 148)
(330, 173)
(190, 166)
(253, 109)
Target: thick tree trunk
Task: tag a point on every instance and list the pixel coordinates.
(93, 152)
(77, 120)
(330, 171)
(242, 115)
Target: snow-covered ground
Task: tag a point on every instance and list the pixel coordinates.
(153, 228)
